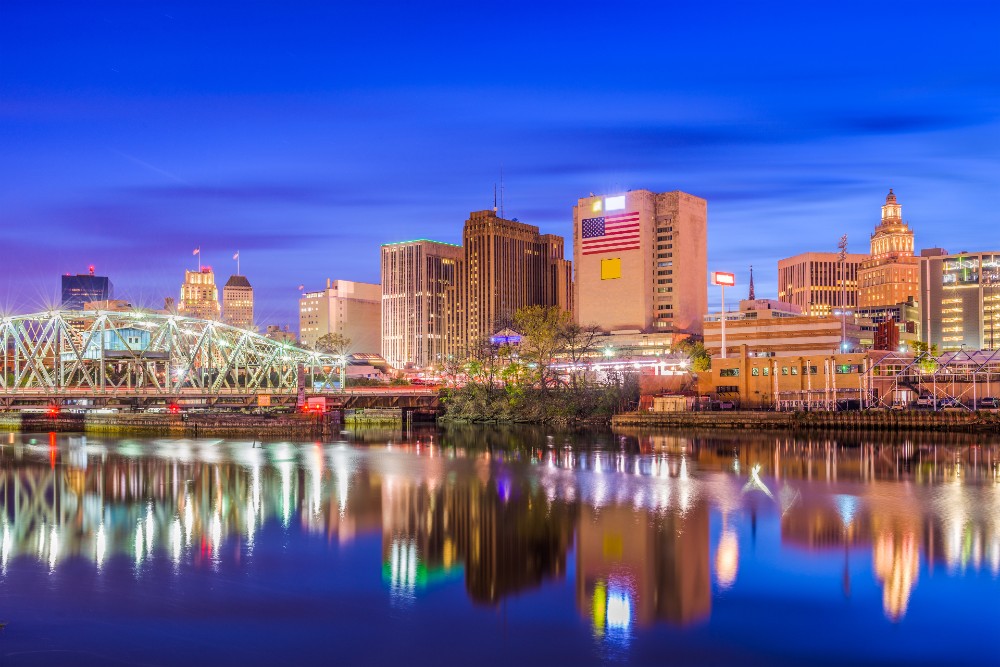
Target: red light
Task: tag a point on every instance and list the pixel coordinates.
(53, 411)
(174, 408)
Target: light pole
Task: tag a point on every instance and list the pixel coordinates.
(723, 280)
(843, 292)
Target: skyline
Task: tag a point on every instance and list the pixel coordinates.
(306, 140)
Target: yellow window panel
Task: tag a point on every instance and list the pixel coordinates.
(611, 268)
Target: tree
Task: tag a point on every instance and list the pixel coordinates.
(541, 329)
(577, 342)
(334, 343)
(926, 355)
(701, 360)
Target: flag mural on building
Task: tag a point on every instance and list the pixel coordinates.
(610, 233)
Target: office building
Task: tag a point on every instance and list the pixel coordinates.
(768, 328)
(508, 265)
(81, 289)
(818, 283)
(420, 313)
(889, 275)
(237, 302)
(345, 307)
(641, 261)
(199, 295)
(960, 300)
(280, 334)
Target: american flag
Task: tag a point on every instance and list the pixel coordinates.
(612, 233)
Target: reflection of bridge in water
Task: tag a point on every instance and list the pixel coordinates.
(137, 359)
(505, 521)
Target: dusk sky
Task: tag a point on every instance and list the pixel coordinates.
(306, 134)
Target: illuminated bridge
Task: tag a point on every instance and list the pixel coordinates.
(141, 360)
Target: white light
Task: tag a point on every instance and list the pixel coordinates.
(619, 609)
(614, 203)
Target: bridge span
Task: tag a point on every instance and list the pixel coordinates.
(84, 360)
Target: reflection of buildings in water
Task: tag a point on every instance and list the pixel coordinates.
(896, 560)
(507, 536)
(641, 566)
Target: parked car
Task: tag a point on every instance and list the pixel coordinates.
(988, 403)
(948, 402)
(925, 401)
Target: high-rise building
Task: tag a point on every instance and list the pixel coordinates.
(237, 302)
(345, 307)
(81, 289)
(199, 295)
(508, 265)
(641, 261)
(818, 283)
(420, 317)
(890, 275)
(960, 300)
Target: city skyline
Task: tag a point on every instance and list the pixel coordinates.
(308, 153)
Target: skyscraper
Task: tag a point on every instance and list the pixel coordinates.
(890, 275)
(509, 265)
(81, 289)
(960, 299)
(641, 261)
(237, 302)
(345, 307)
(818, 283)
(199, 295)
(420, 314)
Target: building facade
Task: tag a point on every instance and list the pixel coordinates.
(890, 274)
(81, 289)
(960, 300)
(199, 295)
(508, 265)
(818, 282)
(641, 262)
(767, 328)
(345, 307)
(420, 310)
(237, 303)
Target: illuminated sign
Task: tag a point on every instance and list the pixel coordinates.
(723, 279)
(597, 206)
(614, 203)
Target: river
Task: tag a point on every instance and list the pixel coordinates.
(494, 546)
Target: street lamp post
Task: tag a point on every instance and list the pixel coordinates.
(843, 292)
(723, 280)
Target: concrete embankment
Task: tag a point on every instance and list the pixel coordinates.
(888, 420)
(191, 425)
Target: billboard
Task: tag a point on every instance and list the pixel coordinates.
(723, 279)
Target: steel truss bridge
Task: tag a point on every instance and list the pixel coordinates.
(140, 359)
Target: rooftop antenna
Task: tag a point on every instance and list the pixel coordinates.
(751, 296)
(501, 193)
(494, 198)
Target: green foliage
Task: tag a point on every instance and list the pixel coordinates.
(334, 343)
(701, 360)
(399, 382)
(927, 363)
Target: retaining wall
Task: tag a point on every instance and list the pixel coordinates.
(889, 420)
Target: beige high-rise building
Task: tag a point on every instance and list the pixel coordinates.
(641, 261)
(508, 265)
(349, 308)
(420, 313)
(817, 283)
(891, 274)
(237, 302)
(960, 299)
(199, 295)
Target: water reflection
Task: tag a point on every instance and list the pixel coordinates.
(655, 525)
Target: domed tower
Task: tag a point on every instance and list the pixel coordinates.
(889, 277)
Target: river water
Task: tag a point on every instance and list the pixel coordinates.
(500, 546)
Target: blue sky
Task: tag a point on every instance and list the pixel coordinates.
(305, 134)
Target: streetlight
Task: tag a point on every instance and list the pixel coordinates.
(723, 280)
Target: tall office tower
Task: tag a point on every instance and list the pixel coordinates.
(351, 309)
(81, 289)
(419, 284)
(508, 265)
(641, 261)
(890, 275)
(817, 283)
(960, 300)
(199, 295)
(237, 302)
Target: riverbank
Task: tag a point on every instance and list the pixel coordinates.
(887, 420)
(177, 425)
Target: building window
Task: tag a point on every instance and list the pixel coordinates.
(795, 370)
(784, 370)
(755, 371)
(727, 389)
(729, 372)
(767, 371)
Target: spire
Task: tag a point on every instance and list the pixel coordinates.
(751, 297)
